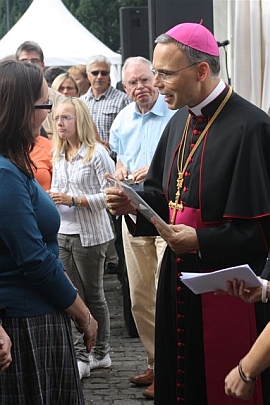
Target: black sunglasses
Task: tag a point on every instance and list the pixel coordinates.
(96, 72)
(46, 106)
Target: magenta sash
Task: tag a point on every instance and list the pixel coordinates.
(229, 330)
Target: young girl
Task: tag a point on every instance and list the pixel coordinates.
(79, 166)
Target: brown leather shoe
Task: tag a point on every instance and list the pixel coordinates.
(145, 378)
(150, 391)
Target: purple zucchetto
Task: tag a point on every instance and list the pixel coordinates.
(195, 36)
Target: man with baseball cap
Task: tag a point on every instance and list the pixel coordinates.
(210, 180)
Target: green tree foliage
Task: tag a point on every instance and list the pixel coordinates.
(100, 17)
(16, 10)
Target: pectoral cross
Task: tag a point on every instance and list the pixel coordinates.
(175, 205)
(180, 181)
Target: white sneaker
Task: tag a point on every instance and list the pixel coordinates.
(84, 369)
(103, 363)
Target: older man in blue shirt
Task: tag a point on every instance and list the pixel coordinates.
(134, 136)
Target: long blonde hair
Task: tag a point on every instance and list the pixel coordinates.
(85, 129)
(56, 84)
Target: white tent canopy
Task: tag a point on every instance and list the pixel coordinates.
(246, 23)
(63, 39)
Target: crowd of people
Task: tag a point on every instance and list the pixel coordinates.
(134, 136)
(197, 153)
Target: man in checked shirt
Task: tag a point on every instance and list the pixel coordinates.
(103, 100)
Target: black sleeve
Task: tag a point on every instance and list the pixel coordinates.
(2, 313)
(234, 243)
(266, 270)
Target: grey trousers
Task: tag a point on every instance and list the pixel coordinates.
(85, 268)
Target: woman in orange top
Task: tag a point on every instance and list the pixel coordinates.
(42, 157)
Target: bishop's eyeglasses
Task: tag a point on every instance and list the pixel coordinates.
(167, 76)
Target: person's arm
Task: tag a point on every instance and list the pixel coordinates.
(182, 240)
(121, 171)
(237, 288)
(84, 322)
(5, 344)
(32, 258)
(241, 379)
(117, 202)
(94, 196)
(140, 174)
(235, 242)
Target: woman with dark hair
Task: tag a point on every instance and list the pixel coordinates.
(38, 296)
(52, 72)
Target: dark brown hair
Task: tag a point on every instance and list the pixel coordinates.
(30, 46)
(20, 86)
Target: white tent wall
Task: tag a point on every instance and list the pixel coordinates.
(222, 15)
(63, 39)
(265, 103)
(246, 23)
(248, 72)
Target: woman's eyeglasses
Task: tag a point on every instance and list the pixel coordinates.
(63, 118)
(46, 106)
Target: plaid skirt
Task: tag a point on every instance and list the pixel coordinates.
(44, 367)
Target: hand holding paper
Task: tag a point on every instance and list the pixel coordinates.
(137, 201)
(205, 282)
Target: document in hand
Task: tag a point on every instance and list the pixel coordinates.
(205, 282)
(137, 201)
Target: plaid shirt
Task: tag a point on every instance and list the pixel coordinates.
(104, 109)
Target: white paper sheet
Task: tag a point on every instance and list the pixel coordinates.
(137, 201)
(205, 282)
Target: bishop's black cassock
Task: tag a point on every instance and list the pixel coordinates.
(226, 197)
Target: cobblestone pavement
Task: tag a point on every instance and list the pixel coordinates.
(111, 386)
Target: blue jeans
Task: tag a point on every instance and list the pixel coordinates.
(85, 268)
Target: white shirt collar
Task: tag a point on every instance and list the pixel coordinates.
(197, 110)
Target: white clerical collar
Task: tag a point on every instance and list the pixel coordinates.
(197, 110)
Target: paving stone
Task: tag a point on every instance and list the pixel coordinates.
(111, 386)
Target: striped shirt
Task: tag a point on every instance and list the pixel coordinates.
(105, 108)
(85, 179)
